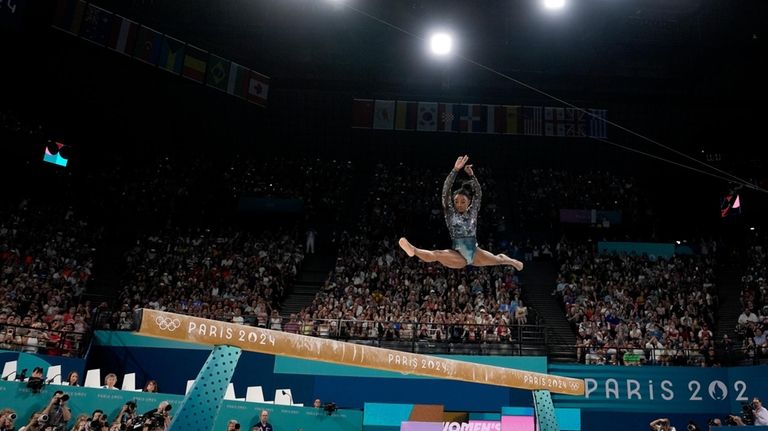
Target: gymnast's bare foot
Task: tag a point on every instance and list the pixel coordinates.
(407, 247)
(514, 262)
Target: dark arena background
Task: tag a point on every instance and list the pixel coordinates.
(238, 174)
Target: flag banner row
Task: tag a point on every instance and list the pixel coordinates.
(477, 118)
(124, 36)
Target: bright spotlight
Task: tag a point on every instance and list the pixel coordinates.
(441, 44)
(554, 4)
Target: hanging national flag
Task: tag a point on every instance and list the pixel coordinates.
(171, 55)
(148, 43)
(258, 88)
(575, 123)
(238, 80)
(463, 116)
(554, 121)
(531, 120)
(218, 72)
(194, 63)
(479, 119)
(513, 120)
(96, 25)
(405, 118)
(69, 15)
(446, 118)
(427, 119)
(504, 119)
(598, 128)
(362, 113)
(384, 115)
(123, 35)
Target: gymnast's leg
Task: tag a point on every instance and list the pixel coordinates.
(485, 258)
(449, 258)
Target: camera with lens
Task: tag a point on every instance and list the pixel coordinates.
(747, 414)
(692, 426)
(98, 423)
(11, 416)
(35, 384)
(153, 419)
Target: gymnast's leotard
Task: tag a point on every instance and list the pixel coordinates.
(462, 227)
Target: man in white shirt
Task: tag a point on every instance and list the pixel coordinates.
(761, 414)
(747, 316)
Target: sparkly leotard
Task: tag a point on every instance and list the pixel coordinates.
(462, 227)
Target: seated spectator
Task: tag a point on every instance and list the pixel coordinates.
(73, 379)
(150, 386)
(110, 381)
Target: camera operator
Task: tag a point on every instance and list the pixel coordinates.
(127, 416)
(36, 423)
(36, 381)
(661, 424)
(97, 421)
(57, 411)
(81, 423)
(233, 425)
(157, 419)
(760, 412)
(7, 416)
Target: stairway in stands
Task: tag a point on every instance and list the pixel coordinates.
(728, 288)
(539, 282)
(314, 271)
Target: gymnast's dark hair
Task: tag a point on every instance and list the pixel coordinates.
(465, 189)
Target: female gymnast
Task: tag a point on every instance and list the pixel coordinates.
(461, 217)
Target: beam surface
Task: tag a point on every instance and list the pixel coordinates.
(180, 327)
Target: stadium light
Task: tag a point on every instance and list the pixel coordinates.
(441, 44)
(554, 4)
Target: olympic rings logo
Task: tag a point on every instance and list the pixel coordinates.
(167, 324)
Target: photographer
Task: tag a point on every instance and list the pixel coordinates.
(34, 423)
(157, 419)
(661, 424)
(97, 421)
(57, 411)
(127, 416)
(233, 425)
(760, 413)
(36, 381)
(81, 423)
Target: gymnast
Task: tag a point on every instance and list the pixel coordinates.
(461, 218)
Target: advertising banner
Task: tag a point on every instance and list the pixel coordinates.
(664, 389)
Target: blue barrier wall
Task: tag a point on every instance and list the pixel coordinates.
(85, 400)
(630, 396)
